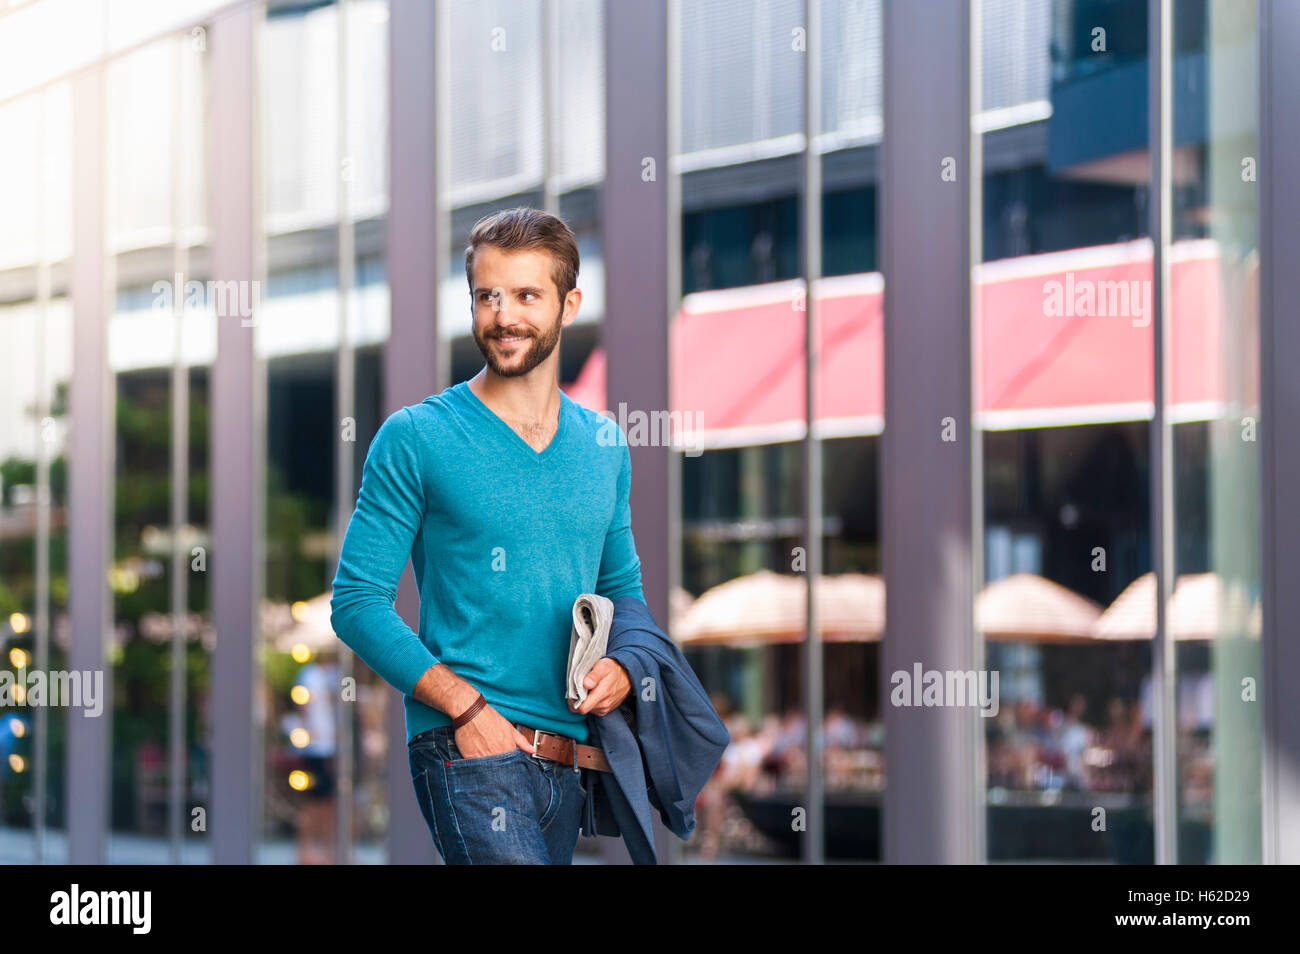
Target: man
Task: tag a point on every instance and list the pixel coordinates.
(511, 500)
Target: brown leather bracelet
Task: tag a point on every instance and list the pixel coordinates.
(469, 713)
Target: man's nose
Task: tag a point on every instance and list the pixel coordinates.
(502, 307)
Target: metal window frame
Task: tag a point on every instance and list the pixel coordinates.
(638, 225)
(416, 362)
(813, 657)
(238, 463)
(1164, 675)
(345, 402)
(1279, 344)
(90, 474)
(932, 809)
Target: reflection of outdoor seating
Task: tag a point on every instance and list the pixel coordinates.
(1040, 759)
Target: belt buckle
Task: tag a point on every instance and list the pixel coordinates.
(573, 749)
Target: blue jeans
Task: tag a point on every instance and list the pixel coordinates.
(509, 808)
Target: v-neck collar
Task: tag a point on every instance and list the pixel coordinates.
(511, 434)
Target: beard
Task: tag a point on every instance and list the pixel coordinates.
(534, 353)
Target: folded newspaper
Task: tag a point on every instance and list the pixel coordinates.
(592, 616)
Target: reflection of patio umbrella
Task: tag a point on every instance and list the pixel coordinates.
(1200, 607)
(767, 607)
(679, 601)
(1025, 606)
(851, 607)
(311, 627)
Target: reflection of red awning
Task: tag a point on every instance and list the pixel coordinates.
(738, 354)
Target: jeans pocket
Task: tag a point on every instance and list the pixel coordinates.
(455, 758)
(432, 743)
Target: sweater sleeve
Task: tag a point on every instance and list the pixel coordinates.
(620, 567)
(387, 517)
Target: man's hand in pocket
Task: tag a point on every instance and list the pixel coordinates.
(489, 733)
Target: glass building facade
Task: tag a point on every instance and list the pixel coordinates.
(971, 327)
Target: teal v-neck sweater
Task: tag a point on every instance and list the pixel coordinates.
(502, 538)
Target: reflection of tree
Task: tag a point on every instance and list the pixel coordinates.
(18, 595)
(18, 551)
(142, 668)
(291, 573)
(142, 498)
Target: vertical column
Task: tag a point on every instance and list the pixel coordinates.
(932, 800)
(413, 364)
(1279, 393)
(90, 486)
(238, 448)
(186, 125)
(811, 194)
(641, 280)
(43, 502)
(345, 395)
(1164, 666)
(550, 104)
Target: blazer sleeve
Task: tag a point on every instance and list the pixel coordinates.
(385, 522)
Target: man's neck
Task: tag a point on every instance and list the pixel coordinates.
(528, 399)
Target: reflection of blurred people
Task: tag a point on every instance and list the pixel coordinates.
(1001, 749)
(783, 743)
(711, 803)
(842, 740)
(1073, 740)
(1026, 744)
(744, 755)
(1036, 747)
(1121, 742)
(316, 820)
(840, 731)
(1196, 769)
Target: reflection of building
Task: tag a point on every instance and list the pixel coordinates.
(319, 181)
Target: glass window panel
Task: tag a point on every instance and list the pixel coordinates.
(161, 337)
(35, 336)
(19, 122)
(368, 327)
(1063, 396)
(496, 88)
(741, 497)
(1213, 369)
(143, 143)
(308, 170)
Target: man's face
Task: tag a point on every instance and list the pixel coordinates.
(516, 309)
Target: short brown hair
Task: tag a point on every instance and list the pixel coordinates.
(525, 228)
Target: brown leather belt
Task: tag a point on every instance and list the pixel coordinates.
(562, 749)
